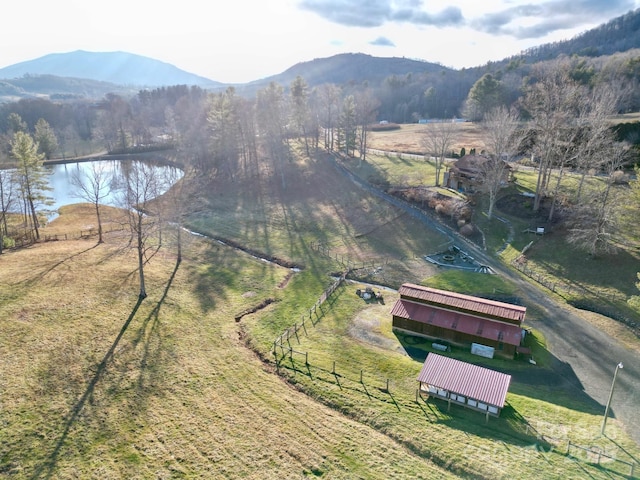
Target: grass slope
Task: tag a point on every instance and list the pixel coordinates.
(94, 386)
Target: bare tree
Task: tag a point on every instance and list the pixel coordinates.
(93, 185)
(366, 110)
(173, 203)
(503, 136)
(141, 184)
(329, 101)
(596, 127)
(595, 222)
(550, 101)
(437, 141)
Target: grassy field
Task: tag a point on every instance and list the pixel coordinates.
(94, 384)
(408, 138)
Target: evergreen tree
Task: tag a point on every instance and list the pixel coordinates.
(31, 176)
(45, 138)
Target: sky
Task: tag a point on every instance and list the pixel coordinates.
(237, 41)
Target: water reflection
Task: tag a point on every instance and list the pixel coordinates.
(64, 192)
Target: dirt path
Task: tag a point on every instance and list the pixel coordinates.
(584, 356)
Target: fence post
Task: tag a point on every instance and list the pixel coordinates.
(295, 330)
(334, 367)
(306, 358)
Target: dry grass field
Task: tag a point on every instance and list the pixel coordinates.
(93, 385)
(409, 138)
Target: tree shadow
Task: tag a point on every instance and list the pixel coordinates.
(40, 275)
(46, 470)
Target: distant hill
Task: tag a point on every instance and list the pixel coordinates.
(58, 88)
(113, 67)
(348, 68)
(618, 35)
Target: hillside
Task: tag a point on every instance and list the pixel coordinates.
(59, 75)
(348, 68)
(617, 35)
(58, 88)
(114, 67)
(98, 385)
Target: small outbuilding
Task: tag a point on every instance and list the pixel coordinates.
(467, 173)
(464, 384)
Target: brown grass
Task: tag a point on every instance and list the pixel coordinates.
(92, 388)
(408, 138)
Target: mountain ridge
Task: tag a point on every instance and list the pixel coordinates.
(121, 68)
(79, 73)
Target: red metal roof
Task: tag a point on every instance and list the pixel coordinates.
(507, 311)
(460, 322)
(472, 381)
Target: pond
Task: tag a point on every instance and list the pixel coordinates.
(64, 192)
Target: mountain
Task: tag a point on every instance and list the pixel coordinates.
(348, 68)
(617, 35)
(82, 74)
(113, 67)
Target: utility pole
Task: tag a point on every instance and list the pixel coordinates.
(606, 410)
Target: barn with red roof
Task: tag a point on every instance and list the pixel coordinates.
(465, 320)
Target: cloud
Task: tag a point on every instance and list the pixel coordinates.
(540, 19)
(382, 42)
(374, 13)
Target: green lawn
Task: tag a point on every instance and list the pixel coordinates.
(352, 354)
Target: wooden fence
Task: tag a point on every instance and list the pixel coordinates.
(596, 455)
(308, 319)
(91, 232)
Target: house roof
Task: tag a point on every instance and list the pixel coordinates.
(482, 384)
(471, 163)
(498, 310)
(459, 322)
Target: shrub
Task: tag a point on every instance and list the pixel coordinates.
(467, 230)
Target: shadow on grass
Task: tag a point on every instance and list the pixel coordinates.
(510, 427)
(551, 380)
(48, 468)
(44, 273)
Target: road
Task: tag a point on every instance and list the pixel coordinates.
(584, 357)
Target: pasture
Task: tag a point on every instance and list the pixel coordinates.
(95, 384)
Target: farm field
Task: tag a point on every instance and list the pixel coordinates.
(184, 384)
